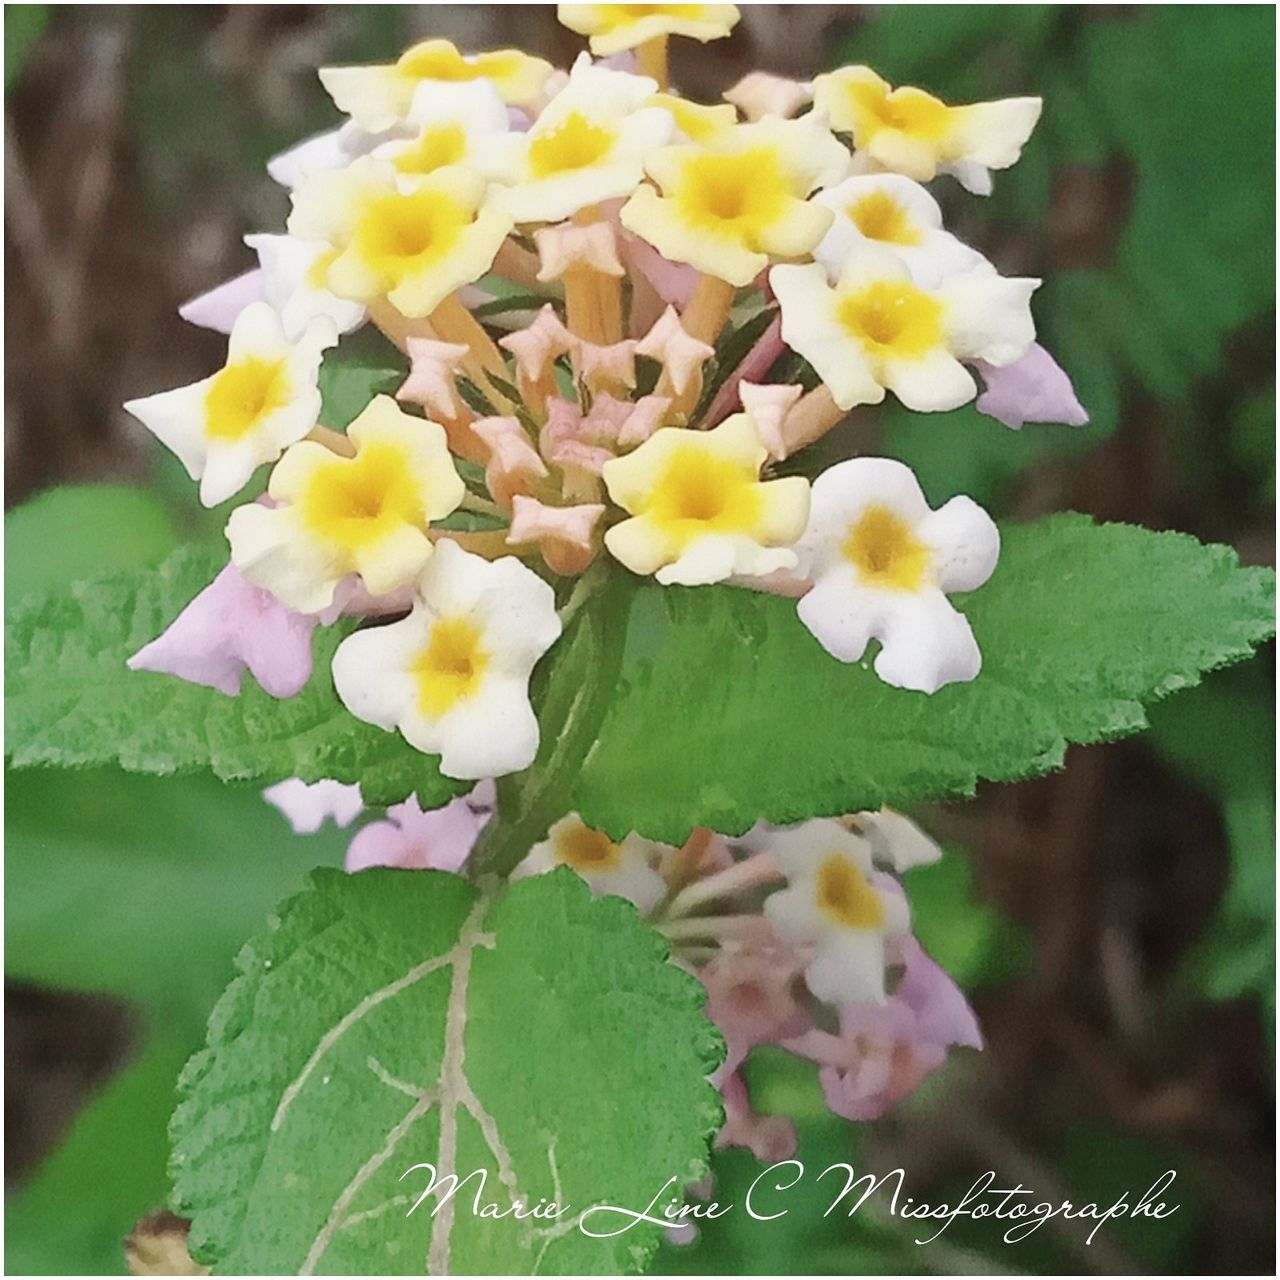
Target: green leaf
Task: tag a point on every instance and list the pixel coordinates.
(71, 701)
(77, 531)
(392, 1018)
(726, 710)
(361, 367)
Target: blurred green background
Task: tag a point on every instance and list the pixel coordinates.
(1114, 923)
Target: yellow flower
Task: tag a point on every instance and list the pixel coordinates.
(378, 97)
(737, 201)
(366, 514)
(587, 146)
(615, 27)
(698, 121)
(700, 512)
(412, 241)
(911, 132)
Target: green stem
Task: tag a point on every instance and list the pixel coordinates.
(576, 693)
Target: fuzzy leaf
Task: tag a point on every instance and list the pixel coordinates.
(392, 1018)
(70, 700)
(727, 710)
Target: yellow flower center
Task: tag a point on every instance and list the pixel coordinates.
(734, 195)
(585, 849)
(910, 111)
(575, 143)
(242, 394)
(845, 895)
(701, 493)
(352, 502)
(451, 667)
(893, 318)
(885, 552)
(399, 235)
(318, 271)
(880, 217)
(436, 147)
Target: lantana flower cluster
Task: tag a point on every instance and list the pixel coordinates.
(626, 315)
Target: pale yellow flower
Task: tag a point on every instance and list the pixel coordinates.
(700, 512)
(412, 242)
(697, 121)
(911, 132)
(615, 27)
(378, 97)
(734, 203)
(336, 515)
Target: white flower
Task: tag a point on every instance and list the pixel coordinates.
(265, 398)
(454, 124)
(293, 281)
(879, 329)
(366, 514)
(616, 27)
(589, 144)
(377, 97)
(453, 676)
(625, 868)
(911, 132)
(882, 564)
(412, 241)
(832, 902)
(700, 512)
(896, 841)
(897, 214)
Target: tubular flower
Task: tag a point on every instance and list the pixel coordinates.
(265, 398)
(412, 242)
(615, 27)
(453, 676)
(588, 145)
(911, 132)
(366, 514)
(624, 868)
(833, 902)
(700, 512)
(897, 214)
(879, 329)
(378, 97)
(882, 565)
(731, 204)
(454, 124)
(294, 274)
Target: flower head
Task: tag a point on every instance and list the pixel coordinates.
(897, 214)
(366, 514)
(700, 512)
(615, 27)
(376, 97)
(911, 132)
(262, 400)
(587, 145)
(882, 565)
(833, 902)
(453, 676)
(879, 329)
(738, 200)
(625, 868)
(411, 241)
